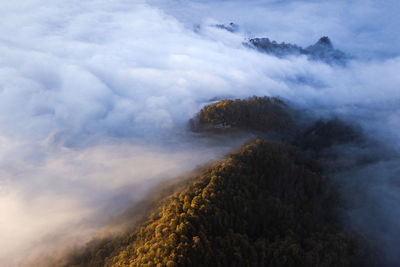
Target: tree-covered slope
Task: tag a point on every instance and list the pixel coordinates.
(256, 113)
(262, 206)
(267, 204)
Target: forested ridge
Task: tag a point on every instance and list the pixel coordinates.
(264, 205)
(255, 113)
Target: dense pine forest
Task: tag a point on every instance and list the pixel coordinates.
(257, 113)
(199, 133)
(263, 205)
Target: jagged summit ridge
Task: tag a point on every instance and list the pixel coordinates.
(324, 41)
(322, 50)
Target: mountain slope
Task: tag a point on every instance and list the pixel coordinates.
(263, 206)
(262, 114)
(267, 204)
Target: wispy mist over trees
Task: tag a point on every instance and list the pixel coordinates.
(262, 206)
(256, 113)
(95, 97)
(266, 204)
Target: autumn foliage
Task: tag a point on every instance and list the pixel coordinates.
(262, 206)
(256, 113)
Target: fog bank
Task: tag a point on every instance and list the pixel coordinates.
(95, 96)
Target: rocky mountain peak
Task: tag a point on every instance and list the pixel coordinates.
(325, 41)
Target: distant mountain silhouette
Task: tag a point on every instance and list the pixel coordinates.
(231, 27)
(322, 50)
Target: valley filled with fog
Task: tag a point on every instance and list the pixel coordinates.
(95, 99)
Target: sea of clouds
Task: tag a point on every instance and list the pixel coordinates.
(95, 96)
